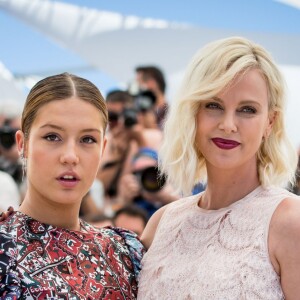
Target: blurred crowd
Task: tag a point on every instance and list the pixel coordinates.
(128, 188)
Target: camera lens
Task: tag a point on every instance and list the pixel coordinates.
(113, 116)
(151, 180)
(130, 117)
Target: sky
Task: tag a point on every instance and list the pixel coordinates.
(25, 51)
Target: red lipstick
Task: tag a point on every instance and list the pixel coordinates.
(225, 144)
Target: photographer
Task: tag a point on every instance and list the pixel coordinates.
(10, 165)
(144, 103)
(151, 78)
(143, 185)
(126, 134)
(131, 217)
(9, 193)
(9, 157)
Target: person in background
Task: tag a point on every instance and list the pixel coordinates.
(10, 122)
(125, 136)
(131, 217)
(151, 78)
(143, 186)
(240, 238)
(99, 220)
(9, 193)
(47, 251)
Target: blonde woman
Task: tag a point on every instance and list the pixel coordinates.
(240, 238)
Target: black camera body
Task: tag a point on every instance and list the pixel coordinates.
(150, 179)
(143, 102)
(130, 117)
(7, 136)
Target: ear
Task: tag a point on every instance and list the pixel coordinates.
(271, 121)
(20, 141)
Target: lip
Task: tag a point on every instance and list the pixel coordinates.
(67, 183)
(225, 144)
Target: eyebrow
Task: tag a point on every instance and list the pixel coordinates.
(243, 101)
(62, 129)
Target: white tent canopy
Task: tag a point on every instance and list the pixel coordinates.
(116, 44)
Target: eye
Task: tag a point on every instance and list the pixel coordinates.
(213, 105)
(52, 137)
(88, 140)
(248, 110)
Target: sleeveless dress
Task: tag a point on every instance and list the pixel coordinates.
(213, 254)
(39, 261)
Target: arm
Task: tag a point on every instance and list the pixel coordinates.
(284, 246)
(150, 229)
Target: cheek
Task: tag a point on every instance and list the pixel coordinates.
(91, 163)
(38, 157)
(203, 125)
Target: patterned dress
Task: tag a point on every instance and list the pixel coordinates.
(39, 261)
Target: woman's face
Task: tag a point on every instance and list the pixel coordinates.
(231, 126)
(63, 151)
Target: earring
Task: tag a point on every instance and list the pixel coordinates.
(24, 164)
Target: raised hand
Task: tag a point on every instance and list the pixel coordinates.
(4, 215)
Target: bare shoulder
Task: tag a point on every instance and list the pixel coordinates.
(284, 245)
(285, 223)
(287, 215)
(149, 231)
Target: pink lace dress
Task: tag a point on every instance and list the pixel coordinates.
(213, 254)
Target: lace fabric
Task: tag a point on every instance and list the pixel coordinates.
(213, 254)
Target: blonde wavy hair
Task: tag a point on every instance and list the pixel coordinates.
(212, 70)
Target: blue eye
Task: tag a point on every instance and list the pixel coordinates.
(52, 138)
(248, 110)
(88, 140)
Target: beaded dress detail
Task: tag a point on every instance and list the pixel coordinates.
(213, 254)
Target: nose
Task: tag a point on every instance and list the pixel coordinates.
(228, 123)
(69, 155)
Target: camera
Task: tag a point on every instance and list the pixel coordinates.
(144, 101)
(130, 117)
(150, 179)
(7, 136)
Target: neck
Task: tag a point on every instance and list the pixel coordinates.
(222, 191)
(58, 215)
